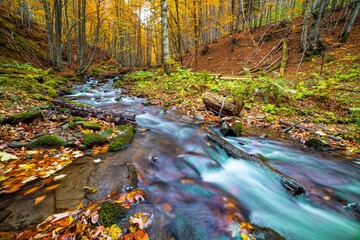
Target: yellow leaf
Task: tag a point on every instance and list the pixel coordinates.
(39, 199)
(52, 187)
(30, 190)
(115, 231)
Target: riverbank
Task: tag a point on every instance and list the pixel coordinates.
(327, 113)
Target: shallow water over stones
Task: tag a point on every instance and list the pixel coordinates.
(194, 187)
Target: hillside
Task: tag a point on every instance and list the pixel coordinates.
(251, 48)
(20, 43)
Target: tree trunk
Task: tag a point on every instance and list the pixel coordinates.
(179, 37)
(345, 33)
(196, 33)
(58, 33)
(317, 15)
(290, 184)
(165, 36)
(49, 30)
(222, 106)
(305, 25)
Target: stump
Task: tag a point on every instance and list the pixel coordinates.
(222, 105)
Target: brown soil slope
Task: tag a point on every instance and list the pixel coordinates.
(250, 48)
(21, 43)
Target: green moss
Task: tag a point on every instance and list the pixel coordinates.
(123, 139)
(94, 139)
(270, 118)
(52, 84)
(111, 213)
(108, 132)
(48, 142)
(314, 143)
(237, 128)
(86, 125)
(26, 117)
(77, 119)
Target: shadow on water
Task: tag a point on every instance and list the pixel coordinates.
(196, 190)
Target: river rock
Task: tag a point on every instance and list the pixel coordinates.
(315, 143)
(264, 233)
(48, 142)
(86, 125)
(123, 139)
(25, 117)
(112, 213)
(17, 144)
(232, 127)
(94, 139)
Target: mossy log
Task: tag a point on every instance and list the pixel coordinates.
(290, 184)
(222, 106)
(25, 117)
(109, 115)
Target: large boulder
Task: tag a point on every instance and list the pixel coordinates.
(48, 142)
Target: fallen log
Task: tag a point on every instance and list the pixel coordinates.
(109, 115)
(290, 184)
(222, 105)
(310, 130)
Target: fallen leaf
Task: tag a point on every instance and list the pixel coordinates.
(167, 207)
(39, 199)
(52, 187)
(30, 190)
(7, 156)
(141, 235)
(58, 177)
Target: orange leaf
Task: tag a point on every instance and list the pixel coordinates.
(128, 237)
(39, 199)
(52, 187)
(30, 190)
(47, 180)
(141, 235)
(167, 207)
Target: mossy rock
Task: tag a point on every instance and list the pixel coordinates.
(86, 125)
(112, 213)
(26, 117)
(108, 132)
(315, 143)
(123, 139)
(266, 233)
(94, 139)
(234, 129)
(48, 142)
(77, 119)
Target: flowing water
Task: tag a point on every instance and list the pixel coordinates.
(194, 186)
(197, 180)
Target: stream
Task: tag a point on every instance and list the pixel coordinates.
(194, 186)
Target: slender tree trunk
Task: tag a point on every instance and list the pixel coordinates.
(317, 15)
(196, 33)
(58, 33)
(348, 25)
(96, 38)
(304, 30)
(49, 30)
(68, 35)
(178, 29)
(165, 37)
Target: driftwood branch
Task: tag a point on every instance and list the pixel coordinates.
(108, 115)
(310, 130)
(297, 123)
(290, 184)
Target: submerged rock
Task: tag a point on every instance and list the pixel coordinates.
(315, 143)
(111, 213)
(232, 127)
(123, 139)
(48, 142)
(264, 233)
(94, 139)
